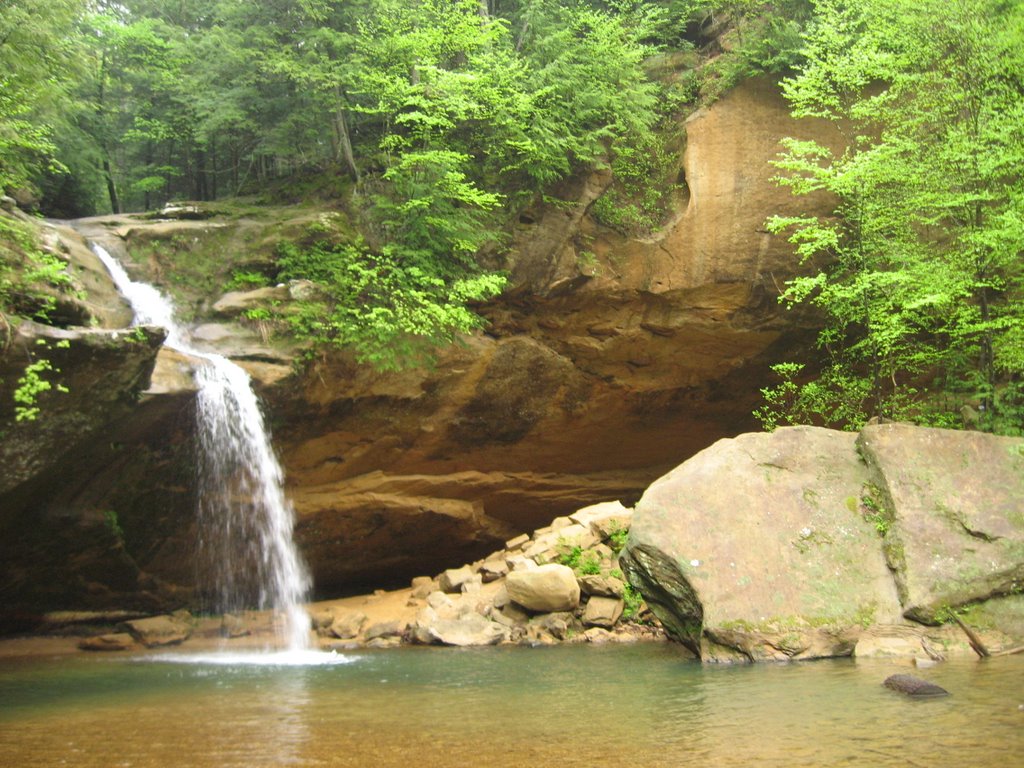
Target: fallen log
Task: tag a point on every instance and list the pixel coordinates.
(972, 638)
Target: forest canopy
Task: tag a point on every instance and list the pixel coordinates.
(437, 122)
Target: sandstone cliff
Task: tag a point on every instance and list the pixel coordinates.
(608, 361)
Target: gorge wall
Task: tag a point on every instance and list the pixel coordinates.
(608, 361)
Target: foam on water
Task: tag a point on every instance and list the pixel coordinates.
(303, 658)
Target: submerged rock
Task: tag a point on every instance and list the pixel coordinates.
(914, 686)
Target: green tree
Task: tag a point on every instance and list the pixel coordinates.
(39, 60)
(918, 273)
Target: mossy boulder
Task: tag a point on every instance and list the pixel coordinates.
(791, 544)
(756, 549)
(953, 506)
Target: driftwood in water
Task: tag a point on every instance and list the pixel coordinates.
(914, 686)
(1009, 651)
(972, 638)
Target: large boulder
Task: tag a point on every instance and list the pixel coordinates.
(544, 589)
(756, 548)
(952, 508)
(790, 544)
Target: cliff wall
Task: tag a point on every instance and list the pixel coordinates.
(609, 361)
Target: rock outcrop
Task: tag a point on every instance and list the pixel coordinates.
(591, 381)
(607, 362)
(789, 545)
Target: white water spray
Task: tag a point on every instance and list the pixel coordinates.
(245, 520)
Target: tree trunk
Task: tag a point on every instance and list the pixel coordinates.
(345, 141)
(213, 168)
(108, 174)
(115, 201)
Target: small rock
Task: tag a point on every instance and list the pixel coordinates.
(520, 563)
(385, 630)
(160, 630)
(603, 514)
(384, 642)
(577, 536)
(598, 636)
(514, 614)
(439, 601)
(501, 598)
(604, 586)
(517, 542)
(420, 630)
(555, 624)
(120, 641)
(453, 579)
(423, 586)
(560, 522)
(492, 570)
(603, 611)
(232, 625)
(348, 625)
(320, 619)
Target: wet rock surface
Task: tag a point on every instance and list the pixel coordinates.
(914, 686)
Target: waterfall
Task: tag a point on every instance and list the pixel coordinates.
(245, 520)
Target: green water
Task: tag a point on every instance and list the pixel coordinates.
(566, 706)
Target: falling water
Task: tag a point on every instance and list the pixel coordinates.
(245, 520)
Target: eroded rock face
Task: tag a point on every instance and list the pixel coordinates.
(592, 380)
(787, 545)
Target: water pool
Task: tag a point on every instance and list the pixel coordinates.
(565, 706)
